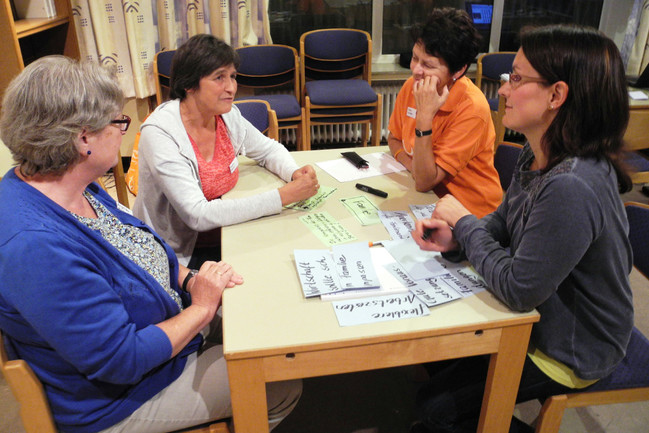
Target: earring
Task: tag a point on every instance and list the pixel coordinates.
(88, 153)
(551, 107)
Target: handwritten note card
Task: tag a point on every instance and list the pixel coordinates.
(422, 211)
(354, 265)
(390, 285)
(434, 291)
(419, 264)
(326, 228)
(379, 309)
(313, 202)
(397, 223)
(317, 272)
(363, 209)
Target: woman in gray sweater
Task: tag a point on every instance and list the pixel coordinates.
(558, 242)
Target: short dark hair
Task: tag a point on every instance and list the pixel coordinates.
(449, 34)
(593, 119)
(197, 58)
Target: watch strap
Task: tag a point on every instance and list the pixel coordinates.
(419, 133)
(191, 274)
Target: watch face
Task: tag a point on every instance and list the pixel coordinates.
(419, 133)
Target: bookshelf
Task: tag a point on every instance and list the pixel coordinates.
(25, 40)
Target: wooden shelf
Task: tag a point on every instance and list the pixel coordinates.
(32, 26)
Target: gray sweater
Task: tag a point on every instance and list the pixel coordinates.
(170, 198)
(559, 243)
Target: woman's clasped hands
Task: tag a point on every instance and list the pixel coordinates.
(303, 184)
(212, 279)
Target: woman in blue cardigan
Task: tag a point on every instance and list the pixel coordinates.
(93, 299)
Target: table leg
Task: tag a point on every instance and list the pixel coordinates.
(503, 378)
(248, 394)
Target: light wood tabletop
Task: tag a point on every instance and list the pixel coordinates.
(271, 332)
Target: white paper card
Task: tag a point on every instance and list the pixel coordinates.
(379, 309)
(397, 223)
(317, 272)
(354, 265)
(390, 284)
(379, 163)
(422, 211)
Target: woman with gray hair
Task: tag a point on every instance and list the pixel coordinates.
(92, 298)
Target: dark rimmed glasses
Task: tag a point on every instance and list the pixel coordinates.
(122, 123)
(516, 80)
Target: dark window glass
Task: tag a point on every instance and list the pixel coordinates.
(520, 13)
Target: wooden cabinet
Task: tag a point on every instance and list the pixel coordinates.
(23, 41)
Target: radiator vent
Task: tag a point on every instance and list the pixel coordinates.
(351, 134)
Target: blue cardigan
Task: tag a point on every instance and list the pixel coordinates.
(80, 313)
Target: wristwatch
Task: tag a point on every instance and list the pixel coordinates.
(191, 274)
(419, 133)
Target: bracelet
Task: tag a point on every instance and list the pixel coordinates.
(397, 153)
(191, 274)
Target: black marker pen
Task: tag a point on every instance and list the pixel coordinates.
(371, 190)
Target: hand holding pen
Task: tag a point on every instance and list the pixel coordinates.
(434, 235)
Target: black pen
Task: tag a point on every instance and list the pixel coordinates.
(428, 232)
(371, 190)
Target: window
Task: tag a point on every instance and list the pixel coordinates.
(389, 21)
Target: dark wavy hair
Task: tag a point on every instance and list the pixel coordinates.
(594, 117)
(197, 58)
(449, 34)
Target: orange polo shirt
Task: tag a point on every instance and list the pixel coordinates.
(463, 144)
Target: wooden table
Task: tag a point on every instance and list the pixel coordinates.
(272, 333)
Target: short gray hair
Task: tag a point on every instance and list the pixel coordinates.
(49, 104)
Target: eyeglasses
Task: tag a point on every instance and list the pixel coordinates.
(516, 80)
(122, 123)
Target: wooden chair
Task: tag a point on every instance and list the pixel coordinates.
(34, 407)
(630, 380)
(162, 74)
(489, 68)
(505, 160)
(270, 72)
(259, 113)
(336, 79)
(120, 182)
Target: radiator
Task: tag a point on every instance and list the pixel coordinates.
(338, 133)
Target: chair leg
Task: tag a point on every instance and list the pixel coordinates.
(549, 420)
(376, 122)
(306, 126)
(365, 134)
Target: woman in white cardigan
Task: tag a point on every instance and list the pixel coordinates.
(188, 153)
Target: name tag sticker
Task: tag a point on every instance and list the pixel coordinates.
(411, 112)
(234, 164)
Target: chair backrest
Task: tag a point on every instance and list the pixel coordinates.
(259, 113)
(269, 67)
(638, 216)
(492, 65)
(162, 73)
(28, 391)
(505, 160)
(121, 189)
(335, 54)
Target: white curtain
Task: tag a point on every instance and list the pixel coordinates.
(127, 34)
(636, 43)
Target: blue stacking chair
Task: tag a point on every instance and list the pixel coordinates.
(489, 68)
(630, 380)
(271, 73)
(259, 113)
(162, 73)
(505, 160)
(336, 78)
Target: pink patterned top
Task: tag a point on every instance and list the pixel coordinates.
(215, 175)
